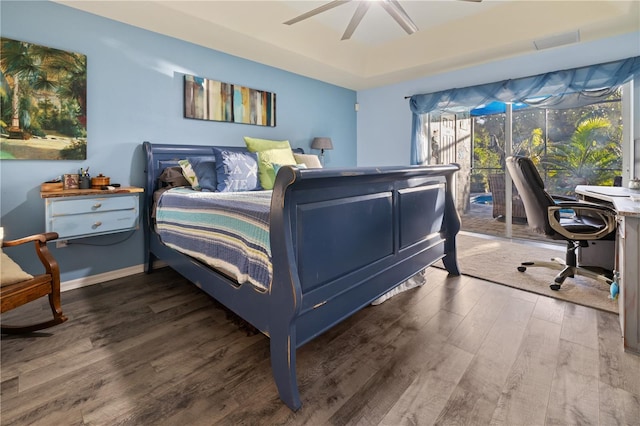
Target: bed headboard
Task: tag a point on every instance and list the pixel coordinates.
(160, 156)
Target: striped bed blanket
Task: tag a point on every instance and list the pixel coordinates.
(226, 230)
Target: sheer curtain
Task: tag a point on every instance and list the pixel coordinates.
(560, 89)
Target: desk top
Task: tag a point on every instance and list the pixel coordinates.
(620, 197)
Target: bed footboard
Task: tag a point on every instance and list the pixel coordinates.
(342, 238)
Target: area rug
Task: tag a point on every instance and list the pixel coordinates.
(496, 260)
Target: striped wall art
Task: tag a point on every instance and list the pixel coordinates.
(206, 99)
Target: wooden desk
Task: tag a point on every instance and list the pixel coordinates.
(627, 261)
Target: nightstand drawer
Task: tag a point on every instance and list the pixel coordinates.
(92, 205)
(83, 213)
(74, 226)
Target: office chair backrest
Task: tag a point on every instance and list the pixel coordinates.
(531, 189)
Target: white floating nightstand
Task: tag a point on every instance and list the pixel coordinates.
(80, 213)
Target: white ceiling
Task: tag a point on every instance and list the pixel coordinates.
(452, 34)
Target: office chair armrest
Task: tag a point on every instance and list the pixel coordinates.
(606, 214)
(586, 206)
(563, 198)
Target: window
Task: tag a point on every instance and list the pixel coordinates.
(570, 146)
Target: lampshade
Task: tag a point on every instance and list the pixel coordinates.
(321, 143)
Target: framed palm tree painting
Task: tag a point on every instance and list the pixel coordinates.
(43, 94)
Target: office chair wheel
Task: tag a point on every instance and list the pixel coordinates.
(523, 266)
(555, 287)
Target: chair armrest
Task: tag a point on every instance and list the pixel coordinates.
(36, 237)
(585, 206)
(563, 198)
(46, 258)
(604, 213)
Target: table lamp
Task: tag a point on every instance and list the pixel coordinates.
(321, 144)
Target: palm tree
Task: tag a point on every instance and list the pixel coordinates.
(28, 67)
(17, 64)
(589, 157)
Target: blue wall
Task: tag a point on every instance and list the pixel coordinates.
(384, 118)
(135, 83)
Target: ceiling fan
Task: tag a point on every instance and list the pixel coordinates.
(392, 7)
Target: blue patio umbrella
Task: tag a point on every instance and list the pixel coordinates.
(496, 107)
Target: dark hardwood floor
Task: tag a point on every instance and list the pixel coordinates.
(155, 350)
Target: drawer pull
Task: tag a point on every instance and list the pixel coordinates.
(97, 205)
(97, 224)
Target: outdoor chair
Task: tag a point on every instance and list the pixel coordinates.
(18, 287)
(496, 186)
(588, 222)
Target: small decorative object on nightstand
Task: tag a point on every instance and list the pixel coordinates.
(85, 179)
(70, 181)
(321, 143)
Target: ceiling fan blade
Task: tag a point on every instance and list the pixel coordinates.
(396, 11)
(363, 6)
(317, 10)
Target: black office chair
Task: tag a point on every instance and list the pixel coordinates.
(588, 221)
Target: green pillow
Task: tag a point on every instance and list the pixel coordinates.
(266, 161)
(258, 145)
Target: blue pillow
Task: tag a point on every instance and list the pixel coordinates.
(236, 170)
(205, 170)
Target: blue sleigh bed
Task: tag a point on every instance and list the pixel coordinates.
(340, 238)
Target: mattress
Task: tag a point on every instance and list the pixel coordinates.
(228, 231)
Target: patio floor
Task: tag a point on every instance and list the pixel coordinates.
(479, 219)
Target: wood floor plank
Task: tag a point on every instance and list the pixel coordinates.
(31, 363)
(467, 298)
(42, 375)
(474, 399)
(373, 401)
(95, 380)
(617, 368)
(471, 332)
(549, 309)
(525, 394)
(177, 397)
(429, 392)
(404, 330)
(617, 406)
(579, 325)
(574, 395)
(153, 349)
(174, 387)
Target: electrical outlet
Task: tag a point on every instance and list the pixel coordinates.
(61, 243)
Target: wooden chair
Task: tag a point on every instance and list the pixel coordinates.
(47, 284)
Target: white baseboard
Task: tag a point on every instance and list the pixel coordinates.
(107, 276)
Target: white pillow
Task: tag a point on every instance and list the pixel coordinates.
(309, 160)
(10, 271)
